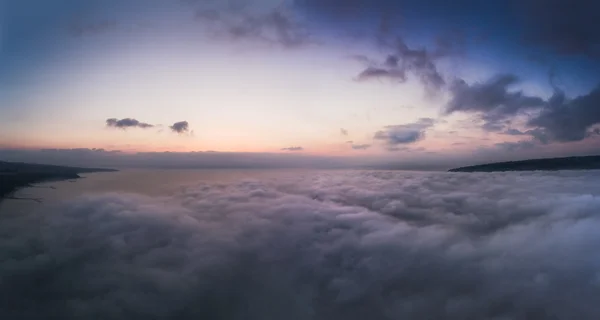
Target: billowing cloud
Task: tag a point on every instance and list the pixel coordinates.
(127, 123)
(496, 100)
(569, 119)
(402, 134)
(555, 119)
(292, 149)
(341, 245)
(180, 127)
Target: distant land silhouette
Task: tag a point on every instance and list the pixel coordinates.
(548, 164)
(15, 175)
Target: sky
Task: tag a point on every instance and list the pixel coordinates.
(378, 82)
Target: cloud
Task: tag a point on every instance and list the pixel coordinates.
(292, 149)
(515, 146)
(378, 73)
(343, 132)
(360, 146)
(336, 245)
(276, 26)
(493, 100)
(537, 133)
(514, 132)
(127, 123)
(405, 60)
(405, 133)
(569, 119)
(180, 127)
(557, 119)
(360, 58)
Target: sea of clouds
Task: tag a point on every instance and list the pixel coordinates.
(322, 245)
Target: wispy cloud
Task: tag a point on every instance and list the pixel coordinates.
(292, 149)
(404, 60)
(360, 146)
(276, 26)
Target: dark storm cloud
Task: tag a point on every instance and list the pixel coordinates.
(292, 149)
(405, 133)
(343, 245)
(537, 133)
(569, 119)
(497, 99)
(276, 26)
(180, 127)
(127, 123)
(497, 102)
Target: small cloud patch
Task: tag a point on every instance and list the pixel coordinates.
(127, 123)
(180, 127)
(292, 149)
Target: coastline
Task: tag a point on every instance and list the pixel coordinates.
(15, 176)
(547, 164)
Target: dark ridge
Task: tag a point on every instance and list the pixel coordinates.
(15, 175)
(549, 164)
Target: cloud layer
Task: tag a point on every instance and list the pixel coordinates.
(337, 245)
